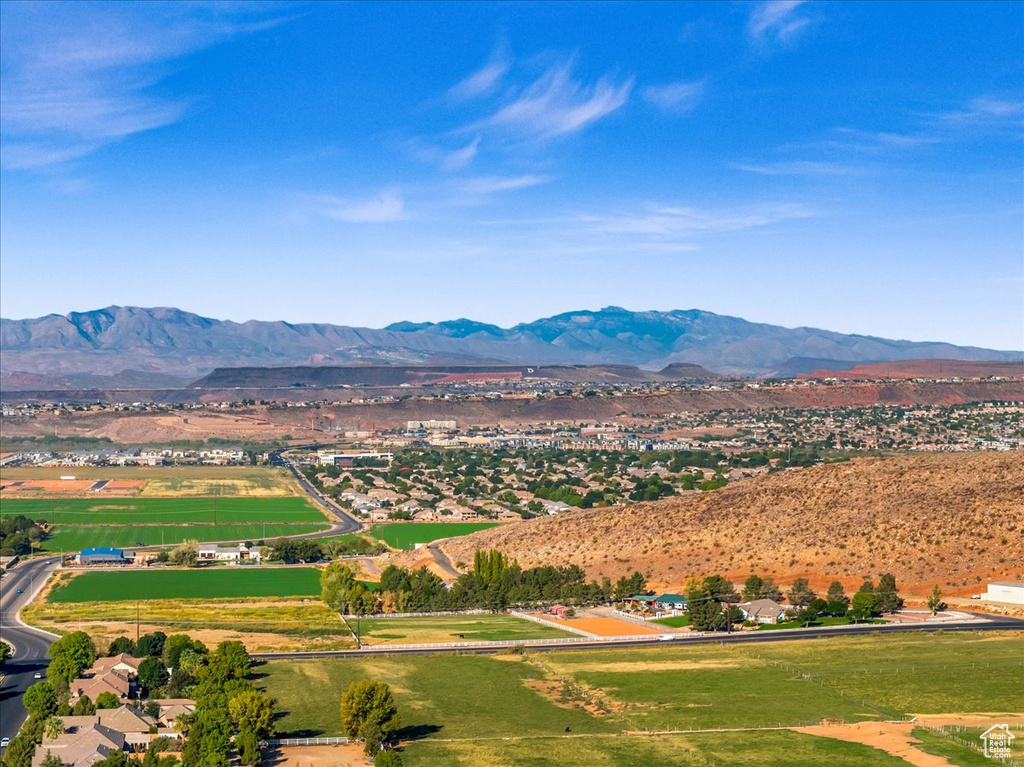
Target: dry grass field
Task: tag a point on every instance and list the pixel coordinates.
(956, 519)
(150, 481)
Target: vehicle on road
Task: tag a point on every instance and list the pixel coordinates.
(19, 591)
(5, 742)
(39, 675)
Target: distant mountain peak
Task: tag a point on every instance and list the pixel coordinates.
(175, 342)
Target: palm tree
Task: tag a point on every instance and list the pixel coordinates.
(54, 727)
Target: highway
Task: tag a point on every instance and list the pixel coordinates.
(30, 645)
(990, 623)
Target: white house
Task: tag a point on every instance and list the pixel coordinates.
(1006, 591)
(213, 552)
(763, 611)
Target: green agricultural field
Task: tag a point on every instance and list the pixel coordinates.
(202, 583)
(591, 707)
(405, 535)
(77, 537)
(98, 510)
(450, 628)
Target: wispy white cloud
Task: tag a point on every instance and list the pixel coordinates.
(675, 221)
(492, 184)
(460, 158)
(384, 207)
(800, 168)
(555, 104)
(678, 97)
(776, 20)
(79, 76)
(484, 80)
(987, 110)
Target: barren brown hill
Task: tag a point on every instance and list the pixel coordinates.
(952, 519)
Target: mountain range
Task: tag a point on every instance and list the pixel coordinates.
(165, 346)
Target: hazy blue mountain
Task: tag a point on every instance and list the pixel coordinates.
(172, 342)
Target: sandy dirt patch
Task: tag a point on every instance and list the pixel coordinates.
(552, 692)
(604, 627)
(342, 755)
(77, 486)
(892, 737)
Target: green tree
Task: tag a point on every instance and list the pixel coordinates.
(935, 600)
(150, 645)
(705, 612)
(230, 660)
(152, 674)
(107, 700)
(368, 710)
(185, 554)
(388, 759)
(889, 600)
(800, 593)
(836, 593)
(865, 604)
(121, 645)
(752, 587)
(5, 652)
(248, 746)
(40, 700)
(175, 645)
(69, 656)
(84, 707)
(252, 711)
(51, 760)
(720, 589)
(19, 752)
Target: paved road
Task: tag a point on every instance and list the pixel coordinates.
(443, 561)
(345, 522)
(30, 645)
(992, 623)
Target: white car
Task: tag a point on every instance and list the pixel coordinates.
(39, 675)
(5, 742)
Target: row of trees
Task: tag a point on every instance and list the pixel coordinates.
(495, 584)
(711, 601)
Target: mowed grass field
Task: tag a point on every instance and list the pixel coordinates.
(203, 583)
(405, 535)
(450, 628)
(470, 710)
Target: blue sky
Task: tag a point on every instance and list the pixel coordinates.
(852, 166)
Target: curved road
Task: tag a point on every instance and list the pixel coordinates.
(345, 524)
(30, 645)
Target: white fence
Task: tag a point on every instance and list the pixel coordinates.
(305, 741)
(383, 648)
(553, 624)
(643, 618)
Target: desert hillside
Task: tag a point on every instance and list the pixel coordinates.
(956, 519)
